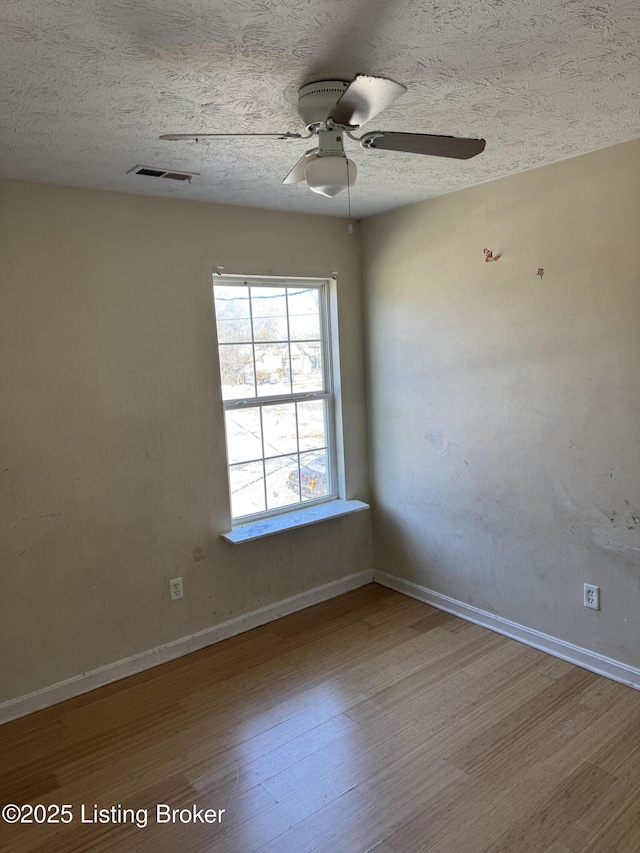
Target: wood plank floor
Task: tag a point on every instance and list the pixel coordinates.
(371, 722)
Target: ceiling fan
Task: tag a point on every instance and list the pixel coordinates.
(331, 108)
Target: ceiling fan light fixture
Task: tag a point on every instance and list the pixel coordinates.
(330, 176)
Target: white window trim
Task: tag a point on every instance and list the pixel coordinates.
(245, 528)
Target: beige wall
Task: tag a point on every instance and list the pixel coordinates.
(505, 409)
(113, 475)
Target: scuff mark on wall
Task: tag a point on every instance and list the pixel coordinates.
(610, 530)
(434, 437)
(618, 539)
(447, 452)
(436, 440)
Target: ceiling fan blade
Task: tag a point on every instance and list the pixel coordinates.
(297, 173)
(179, 136)
(424, 143)
(364, 98)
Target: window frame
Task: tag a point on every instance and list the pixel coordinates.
(328, 394)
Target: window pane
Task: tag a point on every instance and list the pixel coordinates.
(234, 331)
(282, 481)
(304, 314)
(269, 307)
(279, 424)
(244, 435)
(306, 367)
(236, 369)
(232, 314)
(314, 480)
(247, 488)
(272, 367)
(270, 329)
(311, 425)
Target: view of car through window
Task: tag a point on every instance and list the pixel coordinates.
(311, 481)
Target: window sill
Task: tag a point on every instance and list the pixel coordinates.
(290, 520)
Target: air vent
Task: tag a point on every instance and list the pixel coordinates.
(172, 175)
(152, 173)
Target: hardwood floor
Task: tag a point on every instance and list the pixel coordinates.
(371, 722)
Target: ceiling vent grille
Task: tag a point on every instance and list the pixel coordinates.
(171, 174)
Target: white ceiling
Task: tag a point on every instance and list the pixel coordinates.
(87, 87)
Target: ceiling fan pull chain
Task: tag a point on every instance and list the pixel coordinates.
(350, 225)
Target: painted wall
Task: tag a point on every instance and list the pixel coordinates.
(505, 408)
(112, 474)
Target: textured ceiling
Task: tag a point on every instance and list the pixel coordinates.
(87, 87)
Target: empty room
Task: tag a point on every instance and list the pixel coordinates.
(320, 434)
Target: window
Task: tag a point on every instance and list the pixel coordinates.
(275, 365)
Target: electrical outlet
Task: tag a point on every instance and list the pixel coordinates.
(175, 589)
(592, 596)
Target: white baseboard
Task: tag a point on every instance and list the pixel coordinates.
(23, 705)
(614, 669)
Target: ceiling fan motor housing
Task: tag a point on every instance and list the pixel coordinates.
(317, 100)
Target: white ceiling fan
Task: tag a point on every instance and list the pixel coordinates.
(329, 109)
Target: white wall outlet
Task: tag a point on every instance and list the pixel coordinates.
(176, 591)
(592, 596)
